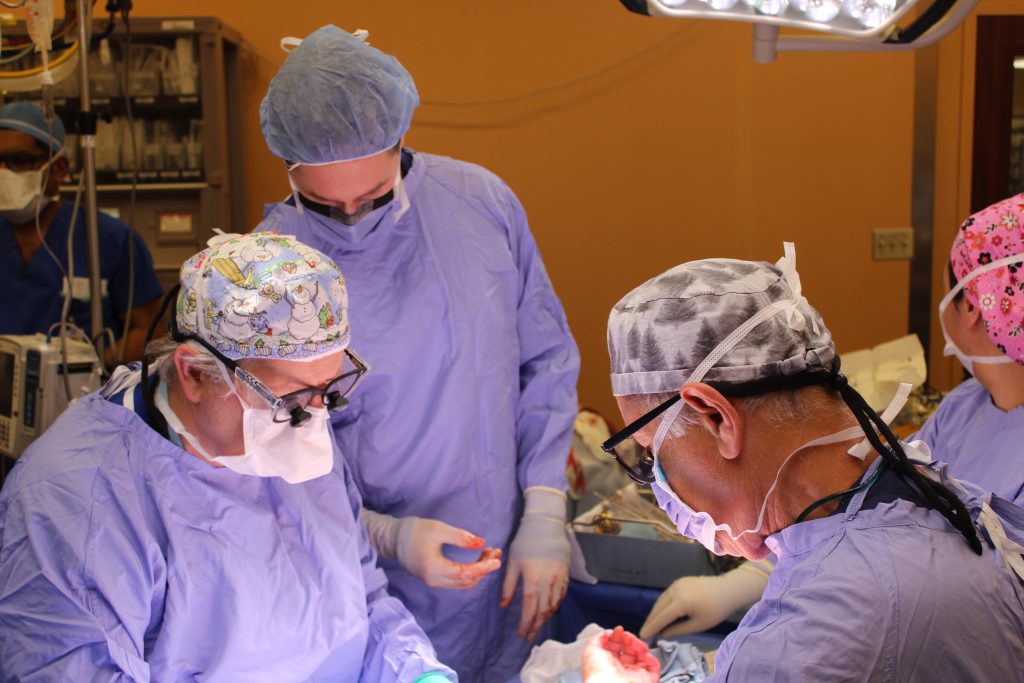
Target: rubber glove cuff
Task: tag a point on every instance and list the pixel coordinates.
(542, 533)
(383, 531)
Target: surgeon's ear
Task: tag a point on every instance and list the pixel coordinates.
(718, 416)
(972, 315)
(190, 378)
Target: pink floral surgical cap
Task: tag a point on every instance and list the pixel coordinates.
(989, 235)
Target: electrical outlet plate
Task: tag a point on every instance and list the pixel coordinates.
(892, 243)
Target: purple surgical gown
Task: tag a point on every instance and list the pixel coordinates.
(472, 395)
(890, 593)
(979, 442)
(124, 558)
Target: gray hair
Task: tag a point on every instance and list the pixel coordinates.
(160, 355)
(780, 407)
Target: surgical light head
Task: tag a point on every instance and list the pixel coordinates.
(863, 25)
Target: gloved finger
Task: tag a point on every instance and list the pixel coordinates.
(446, 534)
(681, 628)
(443, 573)
(469, 575)
(561, 591)
(631, 652)
(508, 587)
(551, 591)
(490, 554)
(559, 587)
(545, 588)
(665, 611)
(529, 611)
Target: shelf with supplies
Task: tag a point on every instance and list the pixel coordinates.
(141, 187)
(116, 106)
(180, 139)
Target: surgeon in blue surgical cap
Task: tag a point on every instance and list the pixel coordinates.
(196, 523)
(888, 568)
(458, 440)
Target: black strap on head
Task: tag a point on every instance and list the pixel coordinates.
(947, 503)
(157, 419)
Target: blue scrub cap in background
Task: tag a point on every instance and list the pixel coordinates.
(336, 98)
(29, 118)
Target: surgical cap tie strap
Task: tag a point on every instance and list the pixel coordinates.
(1003, 262)
(735, 337)
(289, 43)
(794, 317)
(790, 306)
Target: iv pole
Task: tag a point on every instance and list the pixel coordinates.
(87, 136)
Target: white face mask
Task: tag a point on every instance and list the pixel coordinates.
(951, 348)
(21, 195)
(272, 449)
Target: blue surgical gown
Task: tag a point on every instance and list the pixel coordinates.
(978, 441)
(890, 593)
(472, 395)
(32, 292)
(124, 558)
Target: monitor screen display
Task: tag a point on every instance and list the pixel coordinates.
(6, 383)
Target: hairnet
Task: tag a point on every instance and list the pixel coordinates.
(264, 295)
(29, 118)
(336, 98)
(989, 235)
(659, 333)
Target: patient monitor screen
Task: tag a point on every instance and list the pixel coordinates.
(6, 383)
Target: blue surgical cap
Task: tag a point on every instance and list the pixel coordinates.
(336, 98)
(29, 118)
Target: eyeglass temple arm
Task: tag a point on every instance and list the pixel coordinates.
(638, 424)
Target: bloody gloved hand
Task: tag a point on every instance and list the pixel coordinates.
(619, 657)
(417, 544)
(539, 555)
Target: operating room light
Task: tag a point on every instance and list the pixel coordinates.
(768, 7)
(819, 10)
(871, 13)
(862, 25)
(721, 5)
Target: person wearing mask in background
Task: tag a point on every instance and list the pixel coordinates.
(977, 430)
(460, 438)
(887, 567)
(196, 523)
(34, 271)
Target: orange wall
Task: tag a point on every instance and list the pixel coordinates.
(689, 150)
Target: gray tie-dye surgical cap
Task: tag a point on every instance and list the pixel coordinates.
(659, 333)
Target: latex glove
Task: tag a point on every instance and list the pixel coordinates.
(417, 542)
(705, 601)
(539, 555)
(619, 657)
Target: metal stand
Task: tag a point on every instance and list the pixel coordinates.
(87, 135)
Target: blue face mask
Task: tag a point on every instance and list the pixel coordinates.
(700, 526)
